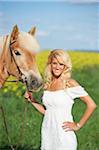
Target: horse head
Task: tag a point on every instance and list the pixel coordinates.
(18, 58)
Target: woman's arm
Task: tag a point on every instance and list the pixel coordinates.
(90, 107)
(38, 106)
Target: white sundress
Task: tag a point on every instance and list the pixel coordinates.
(58, 109)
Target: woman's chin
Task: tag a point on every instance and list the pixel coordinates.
(57, 75)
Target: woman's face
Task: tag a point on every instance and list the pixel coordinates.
(57, 67)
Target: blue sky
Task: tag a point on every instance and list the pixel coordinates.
(59, 24)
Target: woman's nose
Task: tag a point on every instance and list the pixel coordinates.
(57, 66)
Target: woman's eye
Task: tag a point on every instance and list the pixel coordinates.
(54, 63)
(61, 64)
(17, 53)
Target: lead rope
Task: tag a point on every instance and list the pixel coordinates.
(22, 129)
(6, 128)
(21, 136)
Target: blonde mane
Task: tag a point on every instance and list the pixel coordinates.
(2, 41)
(29, 42)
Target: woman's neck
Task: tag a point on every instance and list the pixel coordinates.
(56, 84)
(54, 78)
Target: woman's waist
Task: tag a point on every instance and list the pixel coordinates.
(64, 108)
(58, 114)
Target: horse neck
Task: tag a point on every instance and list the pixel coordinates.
(3, 70)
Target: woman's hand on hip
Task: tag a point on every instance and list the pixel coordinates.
(70, 126)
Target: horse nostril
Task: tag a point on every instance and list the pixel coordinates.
(34, 82)
(24, 78)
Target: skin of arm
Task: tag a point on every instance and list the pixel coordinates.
(90, 107)
(39, 107)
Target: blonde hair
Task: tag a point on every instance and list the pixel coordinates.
(63, 58)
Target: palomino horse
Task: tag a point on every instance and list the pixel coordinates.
(18, 58)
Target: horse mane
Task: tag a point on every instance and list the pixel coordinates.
(28, 41)
(3, 41)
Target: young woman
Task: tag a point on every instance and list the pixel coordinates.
(58, 127)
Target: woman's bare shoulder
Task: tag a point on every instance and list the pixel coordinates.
(72, 83)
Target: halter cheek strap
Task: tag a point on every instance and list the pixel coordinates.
(12, 57)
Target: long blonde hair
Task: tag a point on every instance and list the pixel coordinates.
(62, 57)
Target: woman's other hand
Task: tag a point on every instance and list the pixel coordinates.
(28, 96)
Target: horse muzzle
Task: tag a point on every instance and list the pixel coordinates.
(33, 83)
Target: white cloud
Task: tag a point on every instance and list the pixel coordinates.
(43, 33)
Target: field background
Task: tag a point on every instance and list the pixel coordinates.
(24, 122)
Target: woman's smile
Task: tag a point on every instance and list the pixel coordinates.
(57, 67)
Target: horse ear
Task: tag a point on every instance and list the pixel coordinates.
(32, 31)
(14, 33)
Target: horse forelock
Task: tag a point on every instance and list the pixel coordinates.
(28, 42)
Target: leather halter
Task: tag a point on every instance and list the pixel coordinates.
(12, 58)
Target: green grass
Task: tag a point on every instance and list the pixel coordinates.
(24, 122)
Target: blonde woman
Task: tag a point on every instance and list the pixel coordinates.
(58, 127)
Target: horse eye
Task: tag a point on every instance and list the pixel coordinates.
(17, 53)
